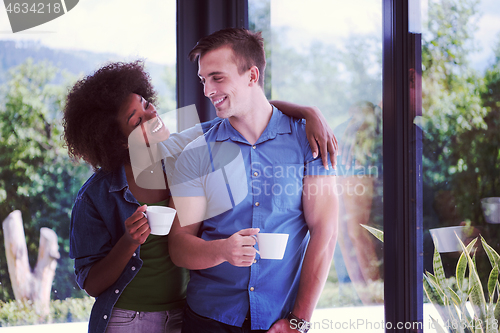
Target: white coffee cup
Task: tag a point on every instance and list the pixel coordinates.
(160, 219)
(271, 245)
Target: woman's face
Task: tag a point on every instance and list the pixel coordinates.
(140, 123)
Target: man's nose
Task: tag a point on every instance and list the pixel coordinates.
(208, 89)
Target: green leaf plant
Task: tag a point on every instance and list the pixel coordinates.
(450, 303)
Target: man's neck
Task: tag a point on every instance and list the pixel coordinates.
(252, 124)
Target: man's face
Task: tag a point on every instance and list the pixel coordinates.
(223, 85)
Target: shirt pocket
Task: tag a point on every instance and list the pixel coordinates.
(287, 185)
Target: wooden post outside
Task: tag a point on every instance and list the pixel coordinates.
(28, 285)
(17, 256)
(45, 269)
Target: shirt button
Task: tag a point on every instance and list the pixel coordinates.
(252, 289)
(255, 173)
(133, 268)
(255, 261)
(105, 317)
(133, 255)
(117, 291)
(257, 204)
(254, 147)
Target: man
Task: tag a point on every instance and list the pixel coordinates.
(253, 172)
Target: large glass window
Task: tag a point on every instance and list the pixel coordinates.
(461, 159)
(329, 54)
(36, 177)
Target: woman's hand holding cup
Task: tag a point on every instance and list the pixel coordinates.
(137, 227)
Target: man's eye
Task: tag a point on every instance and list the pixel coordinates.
(217, 79)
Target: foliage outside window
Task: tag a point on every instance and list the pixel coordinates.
(38, 178)
(461, 115)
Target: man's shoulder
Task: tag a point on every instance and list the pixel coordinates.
(210, 124)
(210, 134)
(283, 116)
(196, 155)
(297, 125)
(198, 142)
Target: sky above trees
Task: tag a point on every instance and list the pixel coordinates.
(147, 29)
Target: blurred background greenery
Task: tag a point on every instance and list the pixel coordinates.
(36, 175)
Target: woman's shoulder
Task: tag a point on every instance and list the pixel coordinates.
(95, 184)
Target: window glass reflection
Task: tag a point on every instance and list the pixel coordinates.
(461, 178)
(328, 54)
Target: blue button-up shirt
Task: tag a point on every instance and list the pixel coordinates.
(274, 168)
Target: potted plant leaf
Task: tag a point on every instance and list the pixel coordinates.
(463, 308)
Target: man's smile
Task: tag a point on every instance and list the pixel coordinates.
(218, 101)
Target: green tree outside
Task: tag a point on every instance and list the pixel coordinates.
(36, 174)
(460, 108)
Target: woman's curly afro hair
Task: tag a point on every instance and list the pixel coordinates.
(91, 129)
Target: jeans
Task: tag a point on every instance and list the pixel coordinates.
(194, 323)
(129, 321)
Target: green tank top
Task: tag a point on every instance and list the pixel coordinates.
(159, 285)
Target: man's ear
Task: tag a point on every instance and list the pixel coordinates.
(254, 75)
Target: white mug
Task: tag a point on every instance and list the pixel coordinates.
(160, 219)
(271, 245)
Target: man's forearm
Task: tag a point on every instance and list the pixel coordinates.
(185, 247)
(194, 253)
(321, 214)
(315, 269)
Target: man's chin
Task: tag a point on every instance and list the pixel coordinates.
(222, 113)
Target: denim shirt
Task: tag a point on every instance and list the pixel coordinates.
(272, 174)
(97, 222)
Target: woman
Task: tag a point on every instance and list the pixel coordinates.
(129, 271)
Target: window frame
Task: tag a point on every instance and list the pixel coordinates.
(402, 160)
(196, 19)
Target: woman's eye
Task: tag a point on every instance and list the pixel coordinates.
(138, 122)
(147, 105)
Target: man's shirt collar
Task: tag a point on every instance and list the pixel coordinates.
(279, 124)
